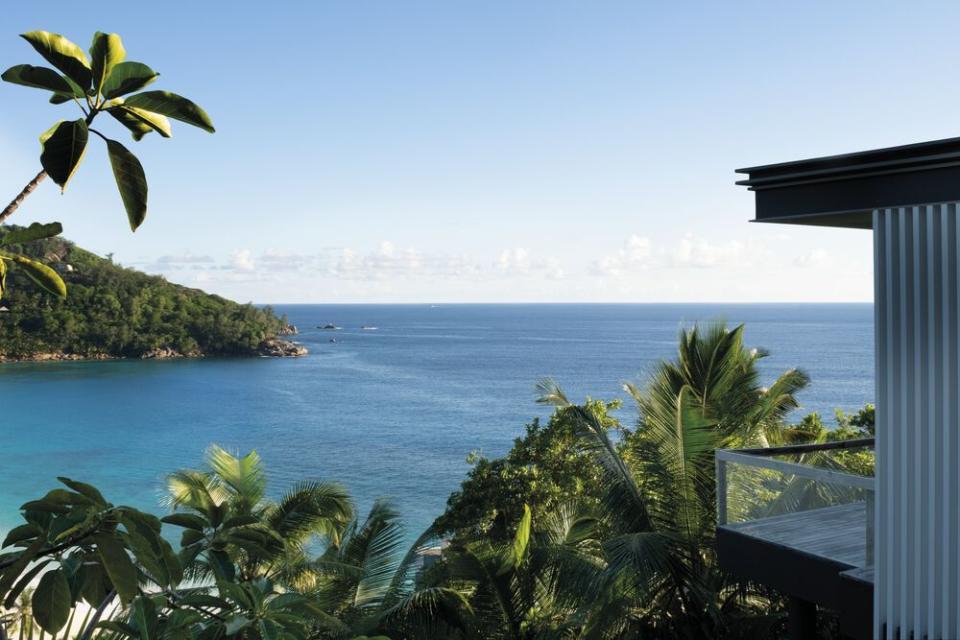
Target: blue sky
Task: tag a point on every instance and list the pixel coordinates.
(495, 151)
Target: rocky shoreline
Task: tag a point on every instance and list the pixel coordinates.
(269, 348)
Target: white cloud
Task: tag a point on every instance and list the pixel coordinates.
(274, 260)
(682, 268)
(692, 251)
(515, 261)
(636, 254)
(386, 261)
(242, 260)
(177, 262)
(814, 259)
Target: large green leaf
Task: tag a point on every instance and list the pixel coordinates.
(41, 78)
(62, 54)
(35, 231)
(11, 573)
(45, 277)
(87, 490)
(92, 587)
(106, 52)
(155, 121)
(127, 77)
(138, 128)
(120, 569)
(25, 580)
(143, 618)
(521, 539)
(131, 181)
(63, 147)
(52, 602)
(187, 520)
(172, 106)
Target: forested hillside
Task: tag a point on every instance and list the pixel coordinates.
(112, 311)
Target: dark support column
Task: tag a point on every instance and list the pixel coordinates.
(802, 620)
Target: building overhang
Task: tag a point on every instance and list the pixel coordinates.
(843, 190)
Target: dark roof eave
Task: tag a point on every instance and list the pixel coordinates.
(843, 190)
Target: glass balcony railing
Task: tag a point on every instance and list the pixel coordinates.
(816, 498)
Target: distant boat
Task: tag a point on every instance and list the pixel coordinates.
(367, 327)
(328, 327)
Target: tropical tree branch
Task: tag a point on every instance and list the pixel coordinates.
(27, 190)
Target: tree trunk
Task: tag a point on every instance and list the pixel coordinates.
(27, 190)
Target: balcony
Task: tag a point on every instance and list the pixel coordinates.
(800, 519)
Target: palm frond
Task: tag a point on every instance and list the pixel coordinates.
(311, 508)
(193, 489)
(244, 476)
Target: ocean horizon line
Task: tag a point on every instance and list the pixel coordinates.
(560, 304)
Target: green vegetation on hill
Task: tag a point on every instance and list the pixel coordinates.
(112, 311)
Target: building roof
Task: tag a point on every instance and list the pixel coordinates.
(843, 190)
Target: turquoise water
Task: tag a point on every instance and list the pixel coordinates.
(390, 412)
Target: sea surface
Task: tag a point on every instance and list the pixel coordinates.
(391, 411)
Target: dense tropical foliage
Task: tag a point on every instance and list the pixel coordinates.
(585, 529)
(118, 312)
(101, 84)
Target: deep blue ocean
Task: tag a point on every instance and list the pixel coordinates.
(388, 412)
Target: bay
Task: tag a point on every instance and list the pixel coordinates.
(388, 411)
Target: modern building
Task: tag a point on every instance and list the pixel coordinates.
(883, 551)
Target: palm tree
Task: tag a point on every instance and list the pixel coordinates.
(537, 586)
(661, 572)
(351, 579)
(235, 528)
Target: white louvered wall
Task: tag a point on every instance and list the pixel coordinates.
(917, 307)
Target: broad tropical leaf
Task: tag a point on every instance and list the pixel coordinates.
(138, 128)
(187, 520)
(154, 121)
(35, 231)
(106, 52)
(87, 490)
(127, 77)
(521, 539)
(25, 581)
(51, 601)
(63, 147)
(131, 181)
(62, 54)
(172, 106)
(45, 277)
(42, 78)
(120, 569)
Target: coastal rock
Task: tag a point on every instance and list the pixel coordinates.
(288, 330)
(56, 357)
(164, 353)
(275, 348)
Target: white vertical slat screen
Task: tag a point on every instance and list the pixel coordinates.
(917, 307)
